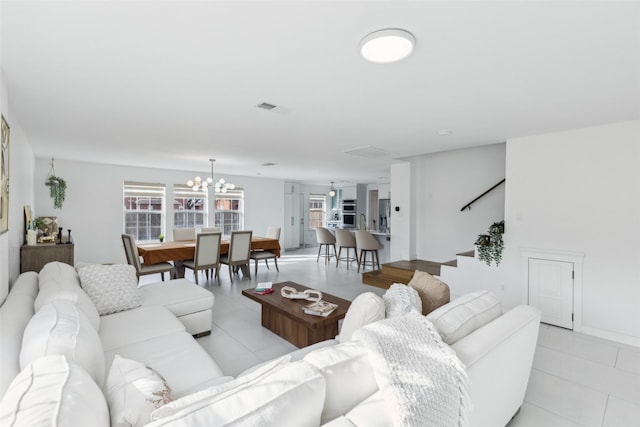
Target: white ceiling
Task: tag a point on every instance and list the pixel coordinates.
(172, 83)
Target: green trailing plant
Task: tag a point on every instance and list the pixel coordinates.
(57, 190)
(490, 245)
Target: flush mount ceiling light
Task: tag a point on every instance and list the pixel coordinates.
(385, 46)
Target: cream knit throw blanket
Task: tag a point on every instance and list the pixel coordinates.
(421, 378)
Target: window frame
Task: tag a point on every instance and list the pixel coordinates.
(317, 198)
(218, 214)
(141, 191)
(181, 191)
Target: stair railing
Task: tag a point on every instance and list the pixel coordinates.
(468, 205)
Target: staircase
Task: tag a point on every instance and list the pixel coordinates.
(402, 271)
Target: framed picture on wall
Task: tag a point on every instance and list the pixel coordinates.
(4, 177)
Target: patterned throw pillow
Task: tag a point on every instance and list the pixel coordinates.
(400, 299)
(134, 391)
(112, 288)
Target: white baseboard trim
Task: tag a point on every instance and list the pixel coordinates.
(612, 336)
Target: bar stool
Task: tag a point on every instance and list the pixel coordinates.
(366, 242)
(326, 239)
(346, 239)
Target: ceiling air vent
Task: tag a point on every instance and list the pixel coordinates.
(268, 164)
(367, 152)
(266, 106)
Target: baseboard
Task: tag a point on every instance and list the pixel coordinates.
(608, 335)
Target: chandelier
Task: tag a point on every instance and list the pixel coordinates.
(221, 186)
(332, 190)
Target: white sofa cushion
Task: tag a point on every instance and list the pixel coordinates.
(69, 291)
(112, 288)
(433, 292)
(132, 326)
(61, 328)
(465, 314)
(349, 376)
(181, 360)
(372, 412)
(365, 308)
(179, 296)
(399, 299)
(289, 397)
(50, 391)
(134, 391)
(222, 390)
(57, 272)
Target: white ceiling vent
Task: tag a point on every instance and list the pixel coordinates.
(266, 106)
(367, 152)
(268, 164)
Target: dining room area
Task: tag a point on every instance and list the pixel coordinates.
(203, 251)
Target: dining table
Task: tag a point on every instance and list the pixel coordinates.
(157, 252)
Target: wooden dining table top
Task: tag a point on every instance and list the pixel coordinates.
(154, 253)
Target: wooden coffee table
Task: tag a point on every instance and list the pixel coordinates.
(284, 316)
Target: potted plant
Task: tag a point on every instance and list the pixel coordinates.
(57, 189)
(161, 238)
(490, 245)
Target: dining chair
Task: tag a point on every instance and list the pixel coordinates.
(184, 234)
(346, 239)
(266, 255)
(211, 230)
(133, 258)
(238, 256)
(326, 239)
(207, 255)
(366, 242)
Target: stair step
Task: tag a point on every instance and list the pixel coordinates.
(470, 254)
(380, 280)
(452, 263)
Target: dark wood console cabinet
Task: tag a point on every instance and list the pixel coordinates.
(33, 258)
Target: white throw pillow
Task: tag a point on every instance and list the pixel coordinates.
(61, 328)
(134, 391)
(69, 292)
(57, 272)
(365, 308)
(399, 299)
(247, 379)
(464, 315)
(347, 370)
(112, 288)
(292, 396)
(53, 392)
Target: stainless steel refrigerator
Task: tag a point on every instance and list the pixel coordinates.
(384, 215)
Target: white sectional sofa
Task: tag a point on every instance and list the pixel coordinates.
(332, 384)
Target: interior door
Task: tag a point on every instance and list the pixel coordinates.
(551, 290)
(293, 211)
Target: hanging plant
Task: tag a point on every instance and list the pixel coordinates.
(57, 189)
(490, 245)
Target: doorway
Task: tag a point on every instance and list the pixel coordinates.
(551, 290)
(293, 221)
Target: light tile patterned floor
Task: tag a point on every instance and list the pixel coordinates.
(577, 380)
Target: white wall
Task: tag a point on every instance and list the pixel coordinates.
(21, 169)
(93, 206)
(403, 234)
(579, 191)
(445, 182)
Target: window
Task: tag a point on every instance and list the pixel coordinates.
(143, 210)
(316, 210)
(229, 211)
(189, 207)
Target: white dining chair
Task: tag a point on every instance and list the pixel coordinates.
(266, 255)
(207, 255)
(184, 234)
(238, 256)
(367, 243)
(133, 258)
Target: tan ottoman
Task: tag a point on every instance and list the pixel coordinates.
(190, 303)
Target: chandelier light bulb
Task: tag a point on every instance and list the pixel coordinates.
(190, 183)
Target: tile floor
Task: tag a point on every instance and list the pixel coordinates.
(577, 380)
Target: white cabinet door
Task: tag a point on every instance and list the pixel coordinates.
(293, 211)
(551, 290)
